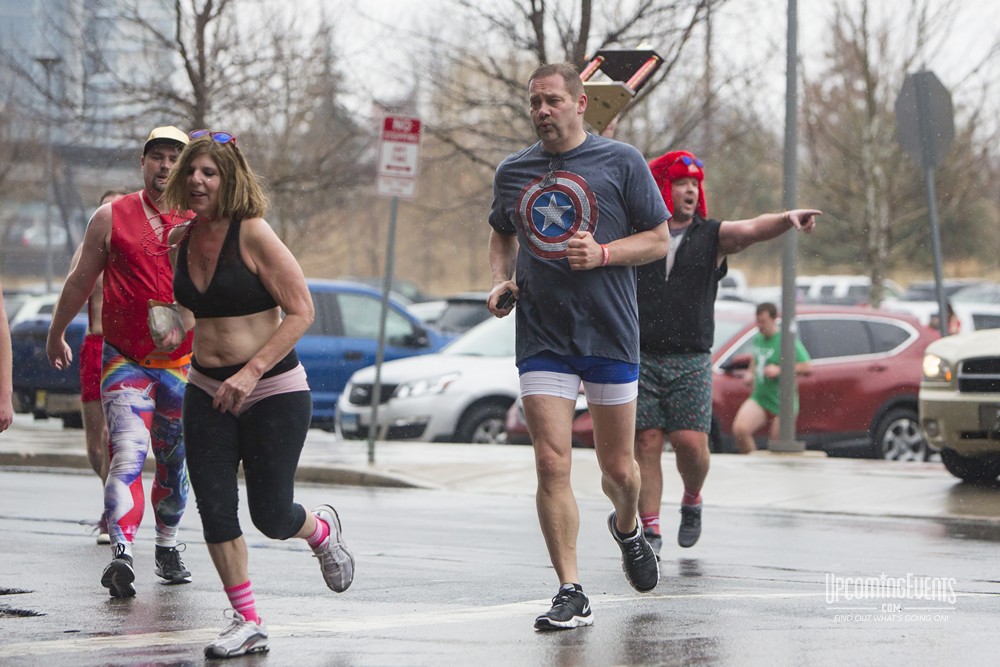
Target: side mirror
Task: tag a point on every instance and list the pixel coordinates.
(737, 362)
(417, 339)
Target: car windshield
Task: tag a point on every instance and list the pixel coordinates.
(12, 303)
(492, 338)
(460, 316)
(727, 326)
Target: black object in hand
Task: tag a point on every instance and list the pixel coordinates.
(506, 300)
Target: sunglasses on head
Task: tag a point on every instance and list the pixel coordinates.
(217, 137)
(684, 159)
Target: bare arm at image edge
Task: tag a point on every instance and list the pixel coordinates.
(6, 372)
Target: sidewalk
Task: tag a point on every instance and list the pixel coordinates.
(764, 481)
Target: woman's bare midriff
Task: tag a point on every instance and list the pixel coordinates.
(228, 341)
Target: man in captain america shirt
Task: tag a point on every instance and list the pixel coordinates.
(572, 216)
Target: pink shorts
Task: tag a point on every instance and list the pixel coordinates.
(90, 367)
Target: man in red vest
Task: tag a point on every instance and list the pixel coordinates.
(141, 388)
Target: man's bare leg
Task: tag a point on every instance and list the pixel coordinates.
(549, 420)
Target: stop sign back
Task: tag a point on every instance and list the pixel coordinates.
(925, 124)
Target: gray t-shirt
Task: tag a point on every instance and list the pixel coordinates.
(601, 186)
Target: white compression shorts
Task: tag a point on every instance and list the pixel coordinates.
(564, 385)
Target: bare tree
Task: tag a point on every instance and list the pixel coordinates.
(246, 66)
(855, 170)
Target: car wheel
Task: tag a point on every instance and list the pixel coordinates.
(718, 443)
(483, 424)
(898, 437)
(972, 469)
(73, 421)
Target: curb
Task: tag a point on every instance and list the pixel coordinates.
(24, 460)
(346, 476)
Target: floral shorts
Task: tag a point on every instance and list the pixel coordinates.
(675, 392)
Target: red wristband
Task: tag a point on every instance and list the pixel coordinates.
(607, 255)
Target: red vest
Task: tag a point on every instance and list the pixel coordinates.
(138, 269)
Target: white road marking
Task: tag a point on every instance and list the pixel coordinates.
(358, 624)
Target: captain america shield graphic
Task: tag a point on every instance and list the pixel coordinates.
(551, 216)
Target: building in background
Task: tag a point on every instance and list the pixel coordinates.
(59, 66)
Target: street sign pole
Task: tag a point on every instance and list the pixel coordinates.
(380, 350)
(399, 164)
(786, 381)
(936, 249)
(928, 160)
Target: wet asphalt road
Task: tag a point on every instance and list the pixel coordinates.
(447, 578)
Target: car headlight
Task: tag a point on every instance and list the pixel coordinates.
(425, 386)
(936, 369)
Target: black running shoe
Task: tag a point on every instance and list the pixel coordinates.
(570, 609)
(170, 567)
(638, 559)
(119, 575)
(690, 529)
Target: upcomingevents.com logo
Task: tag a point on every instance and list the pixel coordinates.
(884, 598)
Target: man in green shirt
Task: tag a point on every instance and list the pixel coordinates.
(764, 404)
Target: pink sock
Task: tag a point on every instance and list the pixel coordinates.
(691, 498)
(650, 522)
(241, 597)
(318, 535)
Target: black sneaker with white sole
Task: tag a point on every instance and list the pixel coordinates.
(570, 609)
(170, 567)
(119, 575)
(638, 559)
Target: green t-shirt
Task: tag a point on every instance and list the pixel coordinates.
(766, 390)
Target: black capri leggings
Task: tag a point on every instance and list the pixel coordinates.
(268, 439)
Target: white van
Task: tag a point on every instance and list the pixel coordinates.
(843, 290)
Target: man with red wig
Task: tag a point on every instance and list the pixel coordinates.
(676, 327)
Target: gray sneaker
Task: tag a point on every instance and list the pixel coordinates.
(655, 541)
(238, 638)
(690, 529)
(335, 559)
(638, 560)
(119, 575)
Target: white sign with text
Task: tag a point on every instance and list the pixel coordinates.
(399, 156)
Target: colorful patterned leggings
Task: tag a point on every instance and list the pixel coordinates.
(143, 408)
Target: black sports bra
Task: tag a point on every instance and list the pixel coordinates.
(233, 290)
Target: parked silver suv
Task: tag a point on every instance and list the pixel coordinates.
(960, 403)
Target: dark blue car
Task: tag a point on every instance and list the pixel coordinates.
(342, 339)
(344, 336)
(39, 388)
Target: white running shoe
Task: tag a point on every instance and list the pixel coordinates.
(103, 537)
(335, 560)
(238, 638)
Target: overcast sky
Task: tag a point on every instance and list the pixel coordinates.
(375, 35)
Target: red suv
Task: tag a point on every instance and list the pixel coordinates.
(860, 398)
(861, 395)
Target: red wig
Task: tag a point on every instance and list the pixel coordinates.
(679, 164)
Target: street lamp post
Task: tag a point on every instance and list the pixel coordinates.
(48, 64)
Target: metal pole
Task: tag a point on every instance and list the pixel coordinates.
(48, 64)
(927, 159)
(380, 350)
(786, 439)
(936, 247)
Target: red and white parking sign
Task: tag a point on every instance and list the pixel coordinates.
(399, 156)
